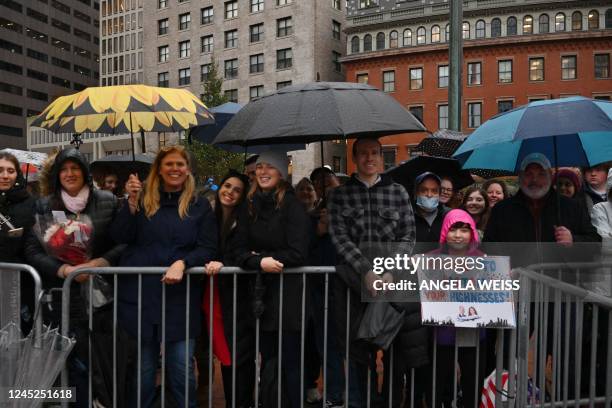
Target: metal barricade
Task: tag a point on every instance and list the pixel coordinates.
(10, 293)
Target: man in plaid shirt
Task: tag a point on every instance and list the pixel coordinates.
(368, 211)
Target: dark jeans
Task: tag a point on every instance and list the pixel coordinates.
(290, 365)
(471, 378)
(245, 384)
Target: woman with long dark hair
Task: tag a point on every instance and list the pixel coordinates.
(228, 201)
(273, 234)
(476, 204)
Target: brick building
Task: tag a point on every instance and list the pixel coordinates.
(515, 52)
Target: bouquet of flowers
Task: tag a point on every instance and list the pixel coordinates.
(65, 239)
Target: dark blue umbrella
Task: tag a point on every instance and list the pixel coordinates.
(573, 131)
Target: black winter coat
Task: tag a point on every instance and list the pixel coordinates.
(511, 221)
(283, 234)
(17, 206)
(428, 236)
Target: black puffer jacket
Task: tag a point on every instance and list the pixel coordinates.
(101, 208)
(283, 234)
(17, 206)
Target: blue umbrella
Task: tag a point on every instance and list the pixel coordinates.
(573, 131)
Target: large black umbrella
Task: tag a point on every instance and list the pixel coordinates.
(123, 166)
(406, 172)
(318, 111)
(441, 143)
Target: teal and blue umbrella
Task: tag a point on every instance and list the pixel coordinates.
(573, 131)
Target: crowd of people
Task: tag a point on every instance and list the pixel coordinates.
(258, 221)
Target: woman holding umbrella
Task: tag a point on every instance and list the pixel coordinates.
(168, 226)
(272, 235)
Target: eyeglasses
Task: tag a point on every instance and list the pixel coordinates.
(447, 190)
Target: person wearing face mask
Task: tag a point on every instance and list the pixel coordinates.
(428, 211)
(458, 237)
(475, 203)
(531, 216)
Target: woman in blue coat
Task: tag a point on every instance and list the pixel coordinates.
(168, 226)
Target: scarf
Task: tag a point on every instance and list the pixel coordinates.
(78, 203)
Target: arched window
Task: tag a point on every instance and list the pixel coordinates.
(367, 43)
(354, 45)
(393, 39)
(496, 27)
(466, 30)
(447, 31)
(544, 24)
(421, 35)
(435, 34)
(593, 20)
(560, 22)
(608, 18)
(480, 29)
(380, 41)
(407, 37)
(511, 26)
(576, 21)
(527, 25)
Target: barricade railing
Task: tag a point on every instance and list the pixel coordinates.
(10, 294)
(552, 314)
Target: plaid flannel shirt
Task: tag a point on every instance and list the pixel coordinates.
(361, 217)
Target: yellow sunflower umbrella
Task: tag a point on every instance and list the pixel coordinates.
(125, 108)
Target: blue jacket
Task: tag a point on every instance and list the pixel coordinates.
(160, 241)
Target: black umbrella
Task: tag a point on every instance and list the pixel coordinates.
(123, 166)
(441, 143)
(318, 111)
(406, 172)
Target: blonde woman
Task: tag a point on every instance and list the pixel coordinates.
(164, 224)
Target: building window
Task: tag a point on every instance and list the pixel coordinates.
(388, 157)
(421, 36)
(336, 61)
(480, 29)
(256, 92)
(232, 95)
(257, 6)
(435, 34)
(282, 84)
(466, 30)
(389, 81)
(163, 53)
(602, 66)
(416, 78)
(417, 112)
(380, 41)
(184, 49)
(256, 63)
(284, 27)
(184, 76)
(337, 28)
(162, 4)
(231, 39)
(206, 15)
(407, 37)
(256, 32)
(162, 27)
(204, 71)
(608, 18)
(231, 9)
(336, 4)
(354, 45)
(367, 43)
(336, 164)
(474, 114)
(527, 25)
(184, 21)
(593, 20)
(511, 26)
(544, 24)
(536, 69)
(447, 31)
(568, 67)
(367, 3)
(442, 76)
(284, 58)
(474, 73)
(504, 71)
(496, 27)
(393, 39)
(231, 68)
(442, 116)
(163, 79)
(504, 106)
(576, 21)
(362, 78)
(560, 22)
(206, 43)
